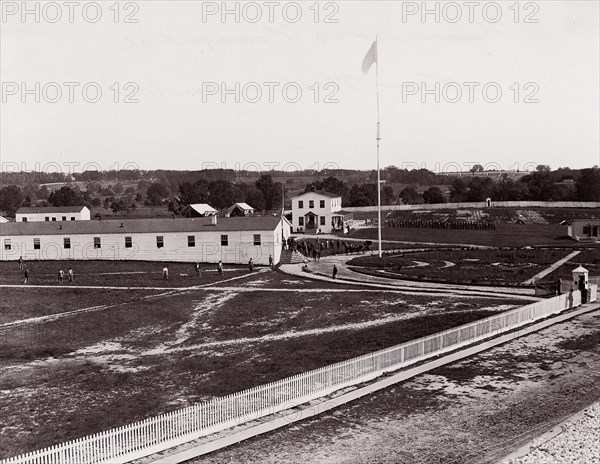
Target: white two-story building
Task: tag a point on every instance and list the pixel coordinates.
(320, 211)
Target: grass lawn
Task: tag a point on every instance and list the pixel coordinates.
(498, 215)
(117, 273)
(463, 266)
(23, 303)
(78, 375)
(588, 258)
(505, 235)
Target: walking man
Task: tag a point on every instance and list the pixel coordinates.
(20, 263)
(26, 275)
(250, 265)
(197, 269)
(220, 268)
(71, 275)
(271, 261)
(166, 272)
(61, 275)
(335, 271)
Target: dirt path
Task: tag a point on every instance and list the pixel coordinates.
(322, 270)
(552, 268)
(474, 411)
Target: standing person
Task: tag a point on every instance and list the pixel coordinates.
(220, 268)
(61, 275)
(271, 261)
(26, 275)
(250, 265)
(20, 263)
(166, 272)
(197, 269)
(71, 275)
(335, 271)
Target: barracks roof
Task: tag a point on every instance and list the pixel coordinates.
(323, 193)
(50, 209)
(140, 226)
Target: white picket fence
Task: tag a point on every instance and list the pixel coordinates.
(159, 433)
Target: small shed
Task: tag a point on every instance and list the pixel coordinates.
(240, 209)
(201, 210)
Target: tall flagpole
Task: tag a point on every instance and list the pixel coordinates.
(378, 140)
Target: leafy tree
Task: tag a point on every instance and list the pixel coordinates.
(96, 203)
(509, 190)
(387, 195)
(156, 193)
(477, 168)
(480, 188)
(117, 206)
(65, 196)
(433, 195)
(118, 189)
(11, 198)
(409, 196)
(254, 198)
(587, 185)
(220, 194)
(332, 185)
(271, 191)
(196, 192)
(540, 185)
(458, 192)
(363, 195)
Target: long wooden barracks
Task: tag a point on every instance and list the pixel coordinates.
(206, 239)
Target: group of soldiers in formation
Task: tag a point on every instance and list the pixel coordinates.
(314, 249)
(430, 224)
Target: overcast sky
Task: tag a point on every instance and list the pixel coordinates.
(173, 60)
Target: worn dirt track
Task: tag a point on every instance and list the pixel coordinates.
(474, 411)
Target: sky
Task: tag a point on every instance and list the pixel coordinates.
(278, 85)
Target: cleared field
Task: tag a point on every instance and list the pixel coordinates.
(498, 215)
(466, 266)
(117, 273)
(515, 235)
(91, 371)
(589, 258)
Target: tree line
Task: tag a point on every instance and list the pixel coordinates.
(264, 194)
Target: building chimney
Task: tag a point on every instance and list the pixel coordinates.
(122, 225)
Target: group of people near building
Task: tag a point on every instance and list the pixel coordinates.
(447, 225)
(62, 276)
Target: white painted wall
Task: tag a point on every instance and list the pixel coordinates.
(331, 206)
(84, 215)
(207, 248)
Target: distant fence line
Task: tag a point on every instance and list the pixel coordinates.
(479, 204)
(162, 432)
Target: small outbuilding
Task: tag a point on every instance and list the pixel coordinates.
(201, 210)
(240, 209)
(584, 230)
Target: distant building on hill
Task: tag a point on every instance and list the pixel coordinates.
(52, 213)
(212, 239)
(320, 211)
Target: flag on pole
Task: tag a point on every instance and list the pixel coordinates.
(370, 58)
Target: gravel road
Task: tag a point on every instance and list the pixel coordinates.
(578, 442)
